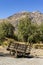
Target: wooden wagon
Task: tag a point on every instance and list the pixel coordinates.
(18, 49)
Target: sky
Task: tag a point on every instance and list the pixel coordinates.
(10, 7)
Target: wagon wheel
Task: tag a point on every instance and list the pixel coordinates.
(11, 53)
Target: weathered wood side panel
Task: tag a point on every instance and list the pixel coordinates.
(18, 48)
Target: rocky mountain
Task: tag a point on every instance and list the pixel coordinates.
(36, 17)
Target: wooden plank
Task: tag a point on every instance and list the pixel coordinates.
(18, 47)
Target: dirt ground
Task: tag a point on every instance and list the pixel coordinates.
(37, 52)
(20, 61)
(6, 59)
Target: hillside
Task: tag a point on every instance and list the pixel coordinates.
(36, 17)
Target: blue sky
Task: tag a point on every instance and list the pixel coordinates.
(10, 7)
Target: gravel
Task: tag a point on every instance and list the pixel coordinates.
(20, 61)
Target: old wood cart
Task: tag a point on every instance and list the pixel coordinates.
(18, 49)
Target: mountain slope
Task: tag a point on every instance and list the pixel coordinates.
(36, 17)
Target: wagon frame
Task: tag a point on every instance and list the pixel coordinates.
(18, 49)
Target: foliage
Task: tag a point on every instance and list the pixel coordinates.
(6, 30)
(41, 32)
(29, 32)
(15, 37)
(24, 29)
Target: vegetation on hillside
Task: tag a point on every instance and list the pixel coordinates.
(6, 30)
(27, 31)
(30, 32)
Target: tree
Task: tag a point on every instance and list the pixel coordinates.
(2, 34)
(28, 31)
(6, 30)
(24, 29)
(41, 32)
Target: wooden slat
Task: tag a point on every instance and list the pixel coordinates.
(18, 47)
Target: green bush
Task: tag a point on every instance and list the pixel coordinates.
(6, 30)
